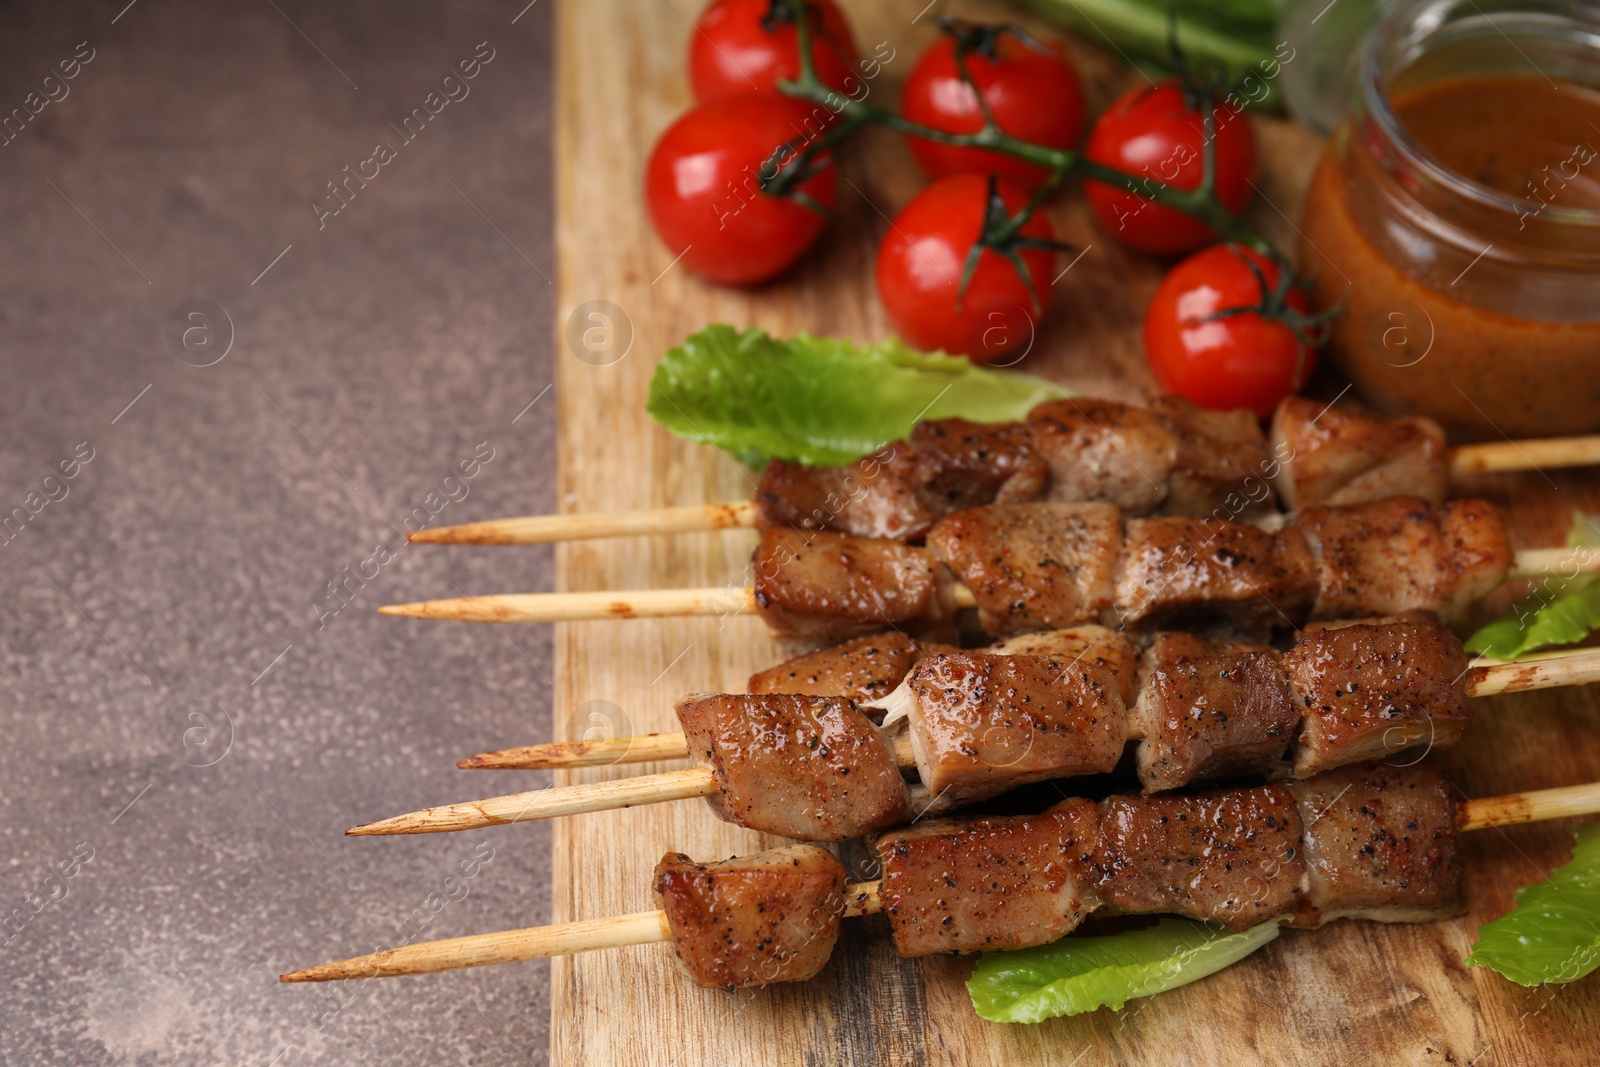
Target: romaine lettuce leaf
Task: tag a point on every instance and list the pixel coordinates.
(1553, 933)
(1079, 974)
(1562, 610)
(822, 401)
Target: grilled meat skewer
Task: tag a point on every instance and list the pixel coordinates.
(980, 723)
(1171, 458)
(1368, 841)
(1039, 566)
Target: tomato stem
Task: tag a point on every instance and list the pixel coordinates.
(1200, 203)
(1311, 330)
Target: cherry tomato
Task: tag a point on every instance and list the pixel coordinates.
(702, 188)
(919, 273)
(1034, 95)
(1244, 360)
(743, 46)
(1153, 132)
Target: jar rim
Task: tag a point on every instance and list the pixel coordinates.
(1375, 96)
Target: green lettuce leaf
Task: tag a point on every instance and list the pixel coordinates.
(822, 401)
(1553, 933)
(1560, 611)
(1079, 974)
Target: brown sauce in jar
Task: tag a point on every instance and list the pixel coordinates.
(1478, 310)
(1513, 133)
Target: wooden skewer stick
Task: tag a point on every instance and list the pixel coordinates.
(567, 607)
(547, 803)
(478, 950)
(662, 603)
(700, 781)
(570, 607)
(640, 748)
(685, 784)
(1546, 452)
(1546, 672)
(1537, 805)
(532, 943)
(543, 529)
(1542, 454)
(1555, 562)
(862, 898)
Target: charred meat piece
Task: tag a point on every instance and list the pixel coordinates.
(1370, 689)
(981, 724)
(876, 496)
(813, 768)
(961, 464)
(1380, 843)
(1209, 710)
(1393, 556)
(1100, 450)
(865, 668)
(1180, 570)
(829, 585)
(1221, 467)
(756, 920)
(1382, 558)
(1096, 646)
(992, 884)
(1033, 566)
(1328, 456)
(1228, 856)
(1475, 537)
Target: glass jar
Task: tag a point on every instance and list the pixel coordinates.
(1468, 270)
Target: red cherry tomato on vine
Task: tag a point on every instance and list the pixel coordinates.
(743, 46)
(1242, 360)
(919, 273)
(702, 188)
(1031, 89)
(1154, 133)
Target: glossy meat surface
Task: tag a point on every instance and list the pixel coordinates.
(1100, 450)
(982, 723)
(1333, 457)
(1474, 535)
(754, 920)
(1178, 571)
(1033, 566)
(962, 464)
(1404, 554)
(1228, 856)
(829, 585)
(1107, 650)
(1209, 710)
(991, 884)
(865, 668)
(1221, 464)
(812, 768)
(1380, 842)
(1372, 688)
(876, 496)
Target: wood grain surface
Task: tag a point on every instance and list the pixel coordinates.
(1354, 992)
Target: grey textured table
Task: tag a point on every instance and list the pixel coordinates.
(191, 718)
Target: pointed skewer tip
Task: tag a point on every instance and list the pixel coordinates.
(434, 535)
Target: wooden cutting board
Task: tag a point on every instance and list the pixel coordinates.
(1354, 992)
